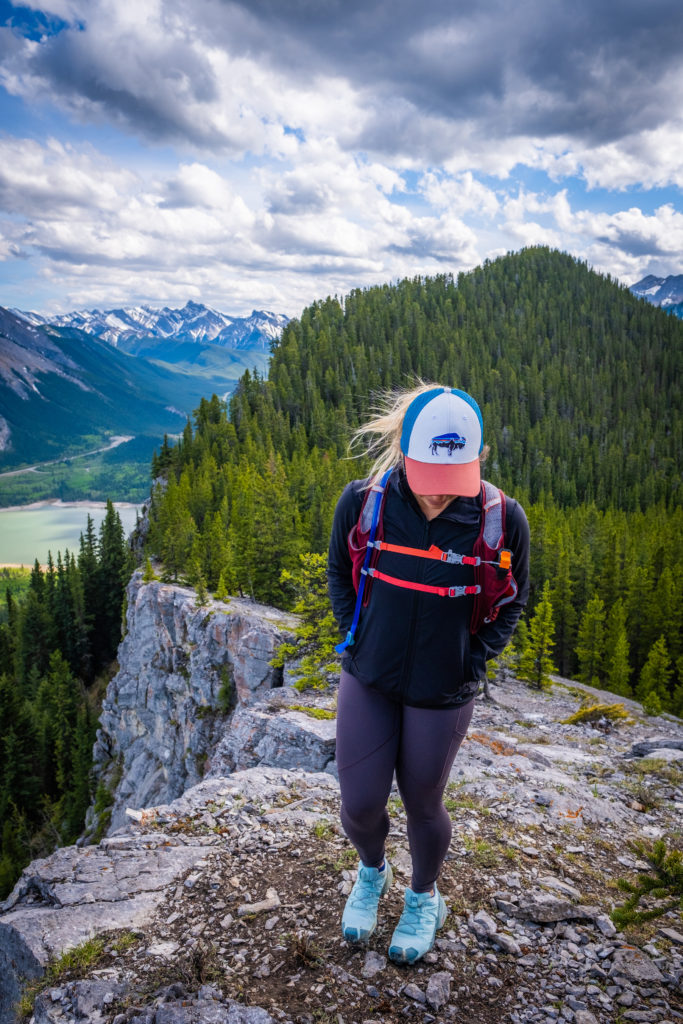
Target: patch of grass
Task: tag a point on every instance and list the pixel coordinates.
(467, 801)
(306, 950)
(593, 713)
(483, 854)
(347, 859)
(319, 713)
(124, 942)
(323, 829)
(649, 766)
(74, 963)
(644, 793)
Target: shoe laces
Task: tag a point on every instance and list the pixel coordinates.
(415, 914)
(366, 891)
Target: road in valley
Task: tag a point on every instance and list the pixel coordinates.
(114, 443)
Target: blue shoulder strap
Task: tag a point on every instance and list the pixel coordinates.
(377, 496)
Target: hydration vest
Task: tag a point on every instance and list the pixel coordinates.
(494, 584)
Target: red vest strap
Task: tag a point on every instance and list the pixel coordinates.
(424, 587)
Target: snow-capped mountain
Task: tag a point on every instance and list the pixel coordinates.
(195, 322)
(661, 291)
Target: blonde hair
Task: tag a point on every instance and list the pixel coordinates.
(380, 437)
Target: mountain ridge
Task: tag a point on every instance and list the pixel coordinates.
(666, 292)
(196, 322)
(62, 389)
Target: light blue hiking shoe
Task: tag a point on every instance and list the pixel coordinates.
(416, 930)
(359, 919)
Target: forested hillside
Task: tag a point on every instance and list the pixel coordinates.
(54, 644)
(579, 384)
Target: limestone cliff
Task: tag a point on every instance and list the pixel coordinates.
(183, 668)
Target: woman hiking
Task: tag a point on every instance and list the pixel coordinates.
(412, 664)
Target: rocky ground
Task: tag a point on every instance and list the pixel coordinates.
(225, 905)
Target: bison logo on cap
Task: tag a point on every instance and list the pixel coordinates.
(450, 442)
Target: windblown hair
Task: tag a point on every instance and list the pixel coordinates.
(380, 437)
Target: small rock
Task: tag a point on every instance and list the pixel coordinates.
(486, 922)
(585, 1017)
(634, 965)
(544, 798)
(439, 989)
(413, 992)
(373, 964)
(507, 943)
(543, 908)
(271, 901)
(672, 935)
(560, 885)
(605, 925)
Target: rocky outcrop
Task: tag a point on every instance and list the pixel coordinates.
(277, 731)
(124, 884)
(182, 667)
(223, 907)
(67, 898)
(218, 893)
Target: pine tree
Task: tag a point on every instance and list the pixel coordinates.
(535, 664)
(590, 642)
(113, 571)
(564, 613)
(656, 673)
(617, 651)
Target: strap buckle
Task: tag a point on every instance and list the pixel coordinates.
(451, 557)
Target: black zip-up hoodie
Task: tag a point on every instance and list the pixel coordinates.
(414, 647)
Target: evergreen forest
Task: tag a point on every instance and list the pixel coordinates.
(57, 646)
(580, 388)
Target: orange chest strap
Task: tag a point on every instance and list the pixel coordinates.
(436, 554)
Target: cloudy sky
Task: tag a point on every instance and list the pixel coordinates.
(266, 153)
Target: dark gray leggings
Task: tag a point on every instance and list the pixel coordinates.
(375, 737)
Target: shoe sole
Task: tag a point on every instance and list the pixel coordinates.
(409, 955)
(359, 936)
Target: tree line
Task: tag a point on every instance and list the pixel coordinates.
(579, 383)
(54, 647)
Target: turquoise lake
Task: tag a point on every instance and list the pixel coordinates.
(30, 532)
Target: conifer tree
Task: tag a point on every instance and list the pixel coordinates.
(656, 674)
(590, 641)
(114, 568)
(535, 663)
(617, 651)
(564, 612)
(34, 640)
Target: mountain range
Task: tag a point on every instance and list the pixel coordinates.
(127, 327)
(65, 389)
(666, 292)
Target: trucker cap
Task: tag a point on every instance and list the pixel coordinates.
(441, 440)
